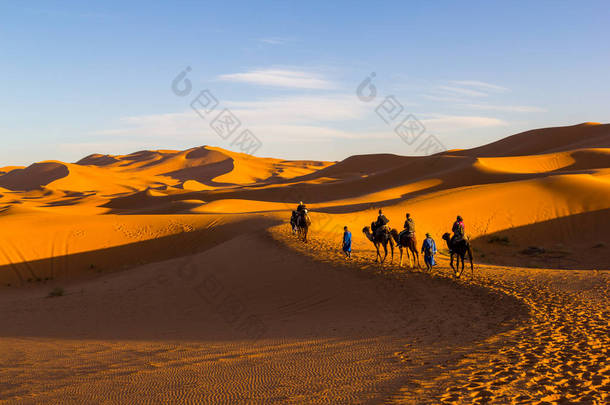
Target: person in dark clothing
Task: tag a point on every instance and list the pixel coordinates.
(382, 221)
(458, 230)
(301, 206)
(381, 224)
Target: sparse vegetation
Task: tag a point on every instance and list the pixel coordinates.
(533, 250)
(503, 240)
(599, 245)
(57, 292)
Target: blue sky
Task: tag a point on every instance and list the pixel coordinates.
(80, 78)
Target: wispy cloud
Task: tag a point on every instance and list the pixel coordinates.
(448, 123)
(298, 109)
(479, 85)
(445, 98)
(461, 91)
(273, 40)
(280, 78)
(505, 108)
(456, 89)
(283, 118)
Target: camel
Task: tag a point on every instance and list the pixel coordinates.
(409, 244)
(380, 239)
(459, 248)
(302, 224)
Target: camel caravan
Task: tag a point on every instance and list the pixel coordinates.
(380, 234)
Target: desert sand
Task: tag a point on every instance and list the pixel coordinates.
(173, 276)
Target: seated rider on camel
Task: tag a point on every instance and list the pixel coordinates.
(409, 227)
(301, 214)
(458, 230)
(381, 225)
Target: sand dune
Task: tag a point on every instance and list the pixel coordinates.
(546, 140)
(182, 281)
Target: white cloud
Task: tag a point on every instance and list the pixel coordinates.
(447, 123)
(300, 109)
(280, 78)
(444, 99)
(284, 118)
(461, 91)
(479, 85)
(273, 41)
(506, 108)
(464, 88)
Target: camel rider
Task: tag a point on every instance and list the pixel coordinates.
(458, 230)
(409, 227)
(382, 223)
(301, 207)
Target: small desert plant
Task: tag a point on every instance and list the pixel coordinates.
(57, 292)
(499, 239)
(533, 250)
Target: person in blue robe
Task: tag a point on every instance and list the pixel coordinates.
(428, 249)
(347, 242)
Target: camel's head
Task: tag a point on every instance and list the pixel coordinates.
(366, 229)
(446, 236)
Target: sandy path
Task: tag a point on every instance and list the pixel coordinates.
(180, 330)
(559, 354)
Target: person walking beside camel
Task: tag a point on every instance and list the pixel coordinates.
(428, 249)
(347, 242)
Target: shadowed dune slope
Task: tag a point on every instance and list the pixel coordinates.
(34, 176)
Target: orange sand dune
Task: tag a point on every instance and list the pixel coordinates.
(586, 135)
(178, 279)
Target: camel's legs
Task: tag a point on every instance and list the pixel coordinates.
(416, 257)
(400, 261)
(459, 272)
